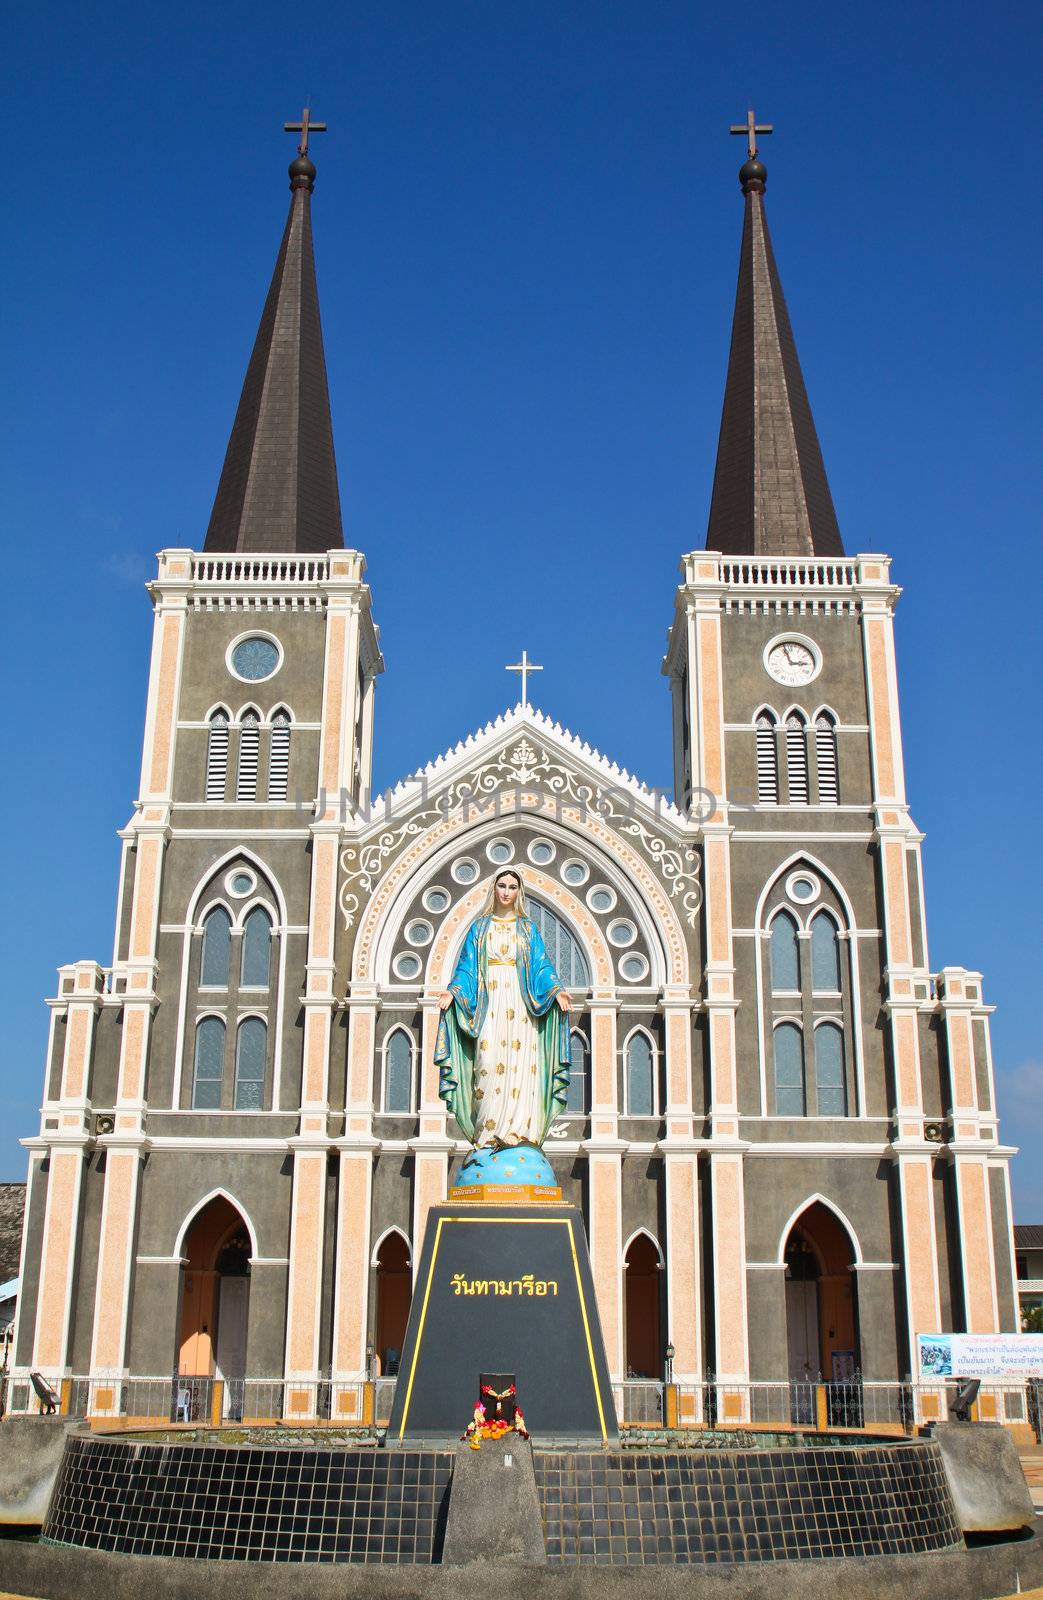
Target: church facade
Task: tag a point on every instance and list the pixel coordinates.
(781, 1125)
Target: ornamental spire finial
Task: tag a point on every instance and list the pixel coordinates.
(753, 174)
(302, 170)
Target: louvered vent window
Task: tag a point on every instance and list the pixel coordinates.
(826, 761)
(249, 746)
(279, 757)
(767, 761)
(217, 756)
(797, 760)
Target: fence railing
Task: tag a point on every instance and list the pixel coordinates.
(824, 1406)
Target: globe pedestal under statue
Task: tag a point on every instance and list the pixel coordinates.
(504, 1284)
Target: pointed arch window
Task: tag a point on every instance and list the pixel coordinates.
(251, 1049)
(398, 1072)
(249, 749)
(217, 942)
(826, 759)
(209, 1064)
(825, 955)
(830, 1086)
(767, 760)
(797, 759)
(640, 1076)
(577, 1102)
(785, 956)
(563, 947)
(790, 1096)
(217, 756)
(256, 960)
(279, 756)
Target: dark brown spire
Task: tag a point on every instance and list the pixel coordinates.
(278, 488)
(770, 492)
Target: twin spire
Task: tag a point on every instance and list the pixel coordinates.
(278, 488)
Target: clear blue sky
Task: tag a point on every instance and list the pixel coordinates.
(527, 225)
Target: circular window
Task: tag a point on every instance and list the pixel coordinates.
(575, 871)
(465, 870)
(255, 658)
(803, 887)
(622, 932)
(601, 898)
(407, 966)
(541, 852)
(500, 851)
(436, 900)
(419, 931)
(240, 883)
(633, 968)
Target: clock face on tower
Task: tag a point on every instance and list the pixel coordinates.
(792, 660)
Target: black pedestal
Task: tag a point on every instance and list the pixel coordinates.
(504, 1289)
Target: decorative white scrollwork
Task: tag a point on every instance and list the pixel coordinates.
(524, 769)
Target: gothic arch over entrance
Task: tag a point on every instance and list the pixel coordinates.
(642, 1268)
(821, 1308)
(394, 1297)
(214, 1302)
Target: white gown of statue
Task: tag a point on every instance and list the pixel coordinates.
(506, 1078)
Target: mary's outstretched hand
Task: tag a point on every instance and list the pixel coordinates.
(563, 1000)
(445, 1001)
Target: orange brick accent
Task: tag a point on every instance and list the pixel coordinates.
(729, 1240)
(114, 1260)
(306, 1241)
(351, 1288)
(979, 1274)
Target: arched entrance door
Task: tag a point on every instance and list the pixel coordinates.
(821, 1314)
(644, 1357)
(215, 1302)
(394, 1297)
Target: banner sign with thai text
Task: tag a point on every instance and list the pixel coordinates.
(980, 1355)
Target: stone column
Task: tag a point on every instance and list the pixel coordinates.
(604, 1158)
(80, 986)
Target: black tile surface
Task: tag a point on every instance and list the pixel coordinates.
(744, 1505)
(251, 1504)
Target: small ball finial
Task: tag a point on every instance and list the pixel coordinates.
(302, 173)
(753, 176)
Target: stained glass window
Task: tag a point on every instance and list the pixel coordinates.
(398, 1072)
(577, 1096)
(255, 659)
(640, 1087)
(789, 1071)
(251, 1047)
(829, 1071)
(209, 1065)
(825, 955)
(257, 949)
(217, 934)
(785, 969)
(563, 948)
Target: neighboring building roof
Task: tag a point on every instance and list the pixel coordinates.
(9, 1291)
(770, 492)
(278, 487)
(1028, 1236)
(12, 1205)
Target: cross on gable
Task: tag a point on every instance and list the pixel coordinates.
(304, 128)
(751, 128)
(524, 666)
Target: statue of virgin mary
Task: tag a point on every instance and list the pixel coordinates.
(503, 1045)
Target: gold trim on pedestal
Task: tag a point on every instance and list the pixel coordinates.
(506, 1194)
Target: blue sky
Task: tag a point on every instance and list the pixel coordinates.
(527, 226)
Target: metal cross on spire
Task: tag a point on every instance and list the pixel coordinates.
(524, 666)
(304, 128)
(751, 128)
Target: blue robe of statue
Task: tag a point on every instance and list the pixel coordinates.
(460, 1025)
